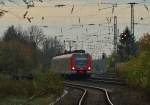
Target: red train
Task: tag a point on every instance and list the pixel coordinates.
(74, 63)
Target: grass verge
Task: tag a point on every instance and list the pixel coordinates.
(40, 91)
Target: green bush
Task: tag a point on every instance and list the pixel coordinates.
(137, 70)
(111, 62)
(16, 58)
(49, 81)
(44, 84)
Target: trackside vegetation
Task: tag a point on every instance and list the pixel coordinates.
(25, 78)
(46, 86)
(137, 69)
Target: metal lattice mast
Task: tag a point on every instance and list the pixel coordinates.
(115, 34)
(132, 17)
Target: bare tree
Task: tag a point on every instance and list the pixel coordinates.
(36, 35)
(53, 44)
(11, 34)
(51, 48)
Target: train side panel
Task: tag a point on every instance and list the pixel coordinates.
(76, 63)
(62, 64)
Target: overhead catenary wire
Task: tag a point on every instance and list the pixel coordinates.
(79, 18)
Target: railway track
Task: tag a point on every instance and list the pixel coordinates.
(107, 80)
(90, 94)
(75, 96)
(84, 93)
(87, 98)
(110, 75)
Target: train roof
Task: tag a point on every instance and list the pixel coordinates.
(66, 55)
(63, 56)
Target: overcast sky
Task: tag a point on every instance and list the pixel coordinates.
(74, 24)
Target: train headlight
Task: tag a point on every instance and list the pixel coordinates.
(89, 68)
(73, 68)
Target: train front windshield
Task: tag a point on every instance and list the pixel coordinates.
(81, 60)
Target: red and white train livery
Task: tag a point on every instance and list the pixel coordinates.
(74, 63)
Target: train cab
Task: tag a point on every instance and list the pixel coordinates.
(73, 63)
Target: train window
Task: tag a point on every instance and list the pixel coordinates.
(81, 60)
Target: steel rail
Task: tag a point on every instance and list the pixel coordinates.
(107, 81)
(93, 87)
(83, 95)
(59, 98)
(108, 78)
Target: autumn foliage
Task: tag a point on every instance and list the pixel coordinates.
(22, 65)
(144, 43)
(137, 70)
(23, 52)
